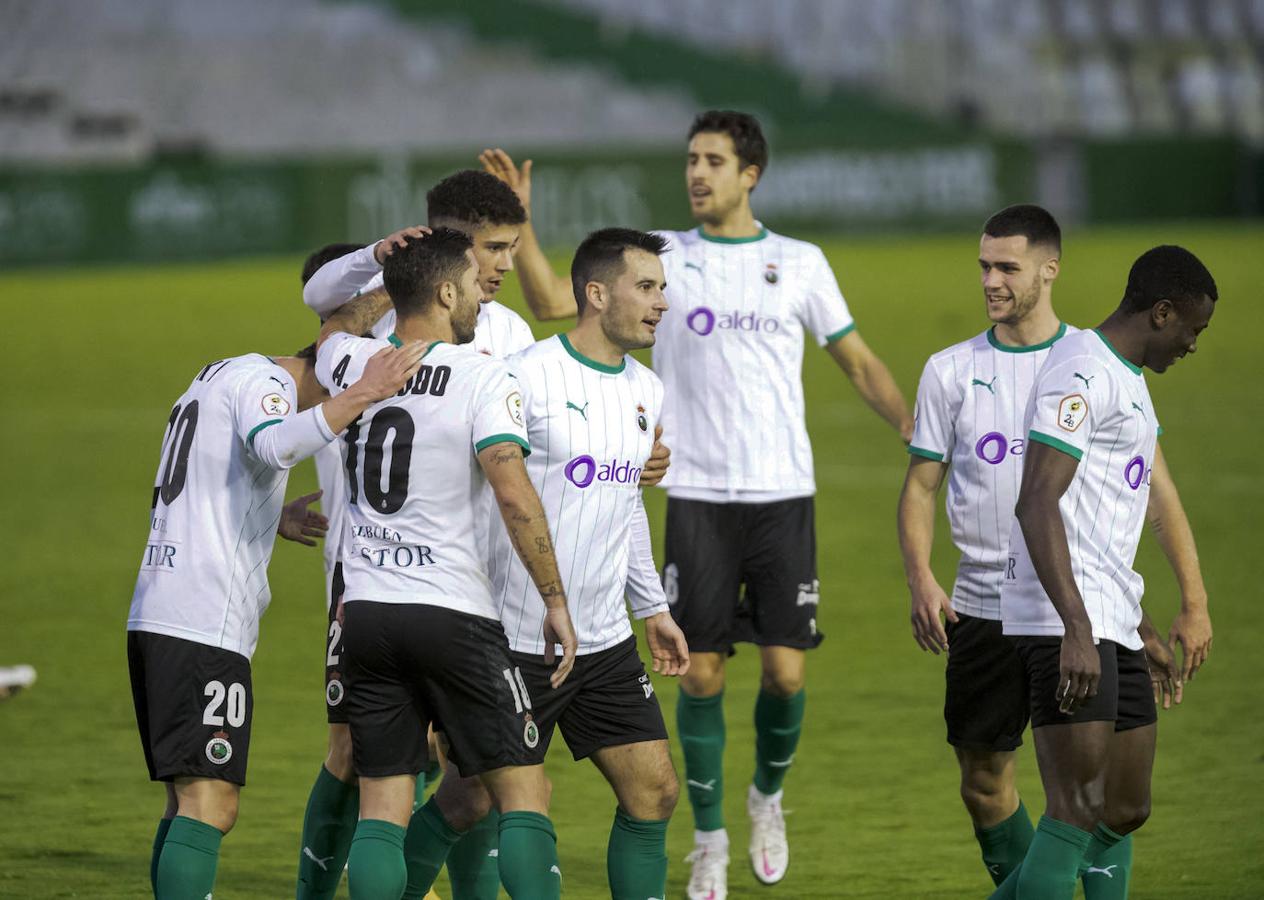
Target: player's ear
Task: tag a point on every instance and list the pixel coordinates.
(1051, 268)
(447, 294)
(595, 294)
(749, 177)
(1162, 314)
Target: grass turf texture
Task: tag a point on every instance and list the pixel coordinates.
(874, 793)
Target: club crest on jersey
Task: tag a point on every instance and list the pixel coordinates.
(770, 274)
(1072, 411)
(334, 692)
(531, 733)
(641, 421)
(218, 749)
(275, 405)
(514, 404)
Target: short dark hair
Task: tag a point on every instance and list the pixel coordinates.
(474, 198)
(413, 272)
(743, 128)
(600, 256)
(1169, 273)
(325, 254)
(1027, 220)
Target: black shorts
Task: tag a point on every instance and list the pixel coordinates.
(335, 690)
(1124, 695)
(193, 706)
(715, 550)
(986, 701)
(606, 701)
(409, 665)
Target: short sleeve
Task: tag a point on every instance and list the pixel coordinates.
(1067, 402)
(825, 312)
(333, 360)
(266, 395)
(934, 418)
(498, 412)
(520, 336)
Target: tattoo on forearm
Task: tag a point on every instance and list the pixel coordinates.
(358, 316)
(542, 545)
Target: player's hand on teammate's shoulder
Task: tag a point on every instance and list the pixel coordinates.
(658, 463)
(1165, 674)
(499, 163)
(558, 629)
(300, 524)
(668, 648)
(928, 601)
(1192, 630)
(392, 242)
(388, 370)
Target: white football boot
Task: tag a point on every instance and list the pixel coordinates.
(709, 878)
(769, 852)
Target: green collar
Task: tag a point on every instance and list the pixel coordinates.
(591, 363)
(1043, 345)
(1135, 370)
(763, 233)
(394, 339)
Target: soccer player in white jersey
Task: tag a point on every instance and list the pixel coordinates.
(740, 498)
(422, 639)
(590, 412)
(968, 427)
(217, 506)
(1070, 595)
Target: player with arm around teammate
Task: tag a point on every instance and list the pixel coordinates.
(740, 510)
(590, 410)
(422, 639)
(218, 500)
(1070, 596)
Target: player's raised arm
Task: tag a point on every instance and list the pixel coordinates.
(873, 381)
(547, 293)
(357, 317)
(341, 279)
(529, 531)
(1047, 473)
(1192, 626)
(916, 523)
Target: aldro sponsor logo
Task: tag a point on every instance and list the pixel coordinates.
(703, 320)
(584, 470)
(1135, 472)
(993, 447)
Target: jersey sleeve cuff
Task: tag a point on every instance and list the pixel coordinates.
(501, 439)
(927, 454)
(650, 611)
(1049, 441)
(840, 334)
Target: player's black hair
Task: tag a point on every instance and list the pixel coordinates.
(1027, 220)
(474, 198)
(308, 352)
(600, 256)
(414, 271)
(327, 253)
(1169, 273)
(743, 128)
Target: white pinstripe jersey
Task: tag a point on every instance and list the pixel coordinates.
(204, 575)
(591, 427)
(730, 354)
(1092, 404)
(969, 414)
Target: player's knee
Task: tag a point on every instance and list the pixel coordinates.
(339, 761)
(466, 807)
(1128, 817)
(1081, 805)
(782, 682)
(986, 797)
(667, 794)
(705, 677)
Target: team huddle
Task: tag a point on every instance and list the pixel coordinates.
(486, 544)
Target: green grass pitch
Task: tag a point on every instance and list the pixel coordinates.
(91, 378)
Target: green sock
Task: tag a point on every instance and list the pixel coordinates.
(700, 724)
(528, 857)
(377, 861)
(1005, 845)
(328, 824)
(190, 854)
(1107, 865)
(426, 846)
(472, 868)
(636, 857)
(160, 836)
(1050, 869)
(778, 722)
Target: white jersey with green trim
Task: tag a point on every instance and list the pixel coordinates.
(591, 428)
(499, 332)
(730, 354)
(216, 505)
(969, 414)
(1092, 404)
(414, 481)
